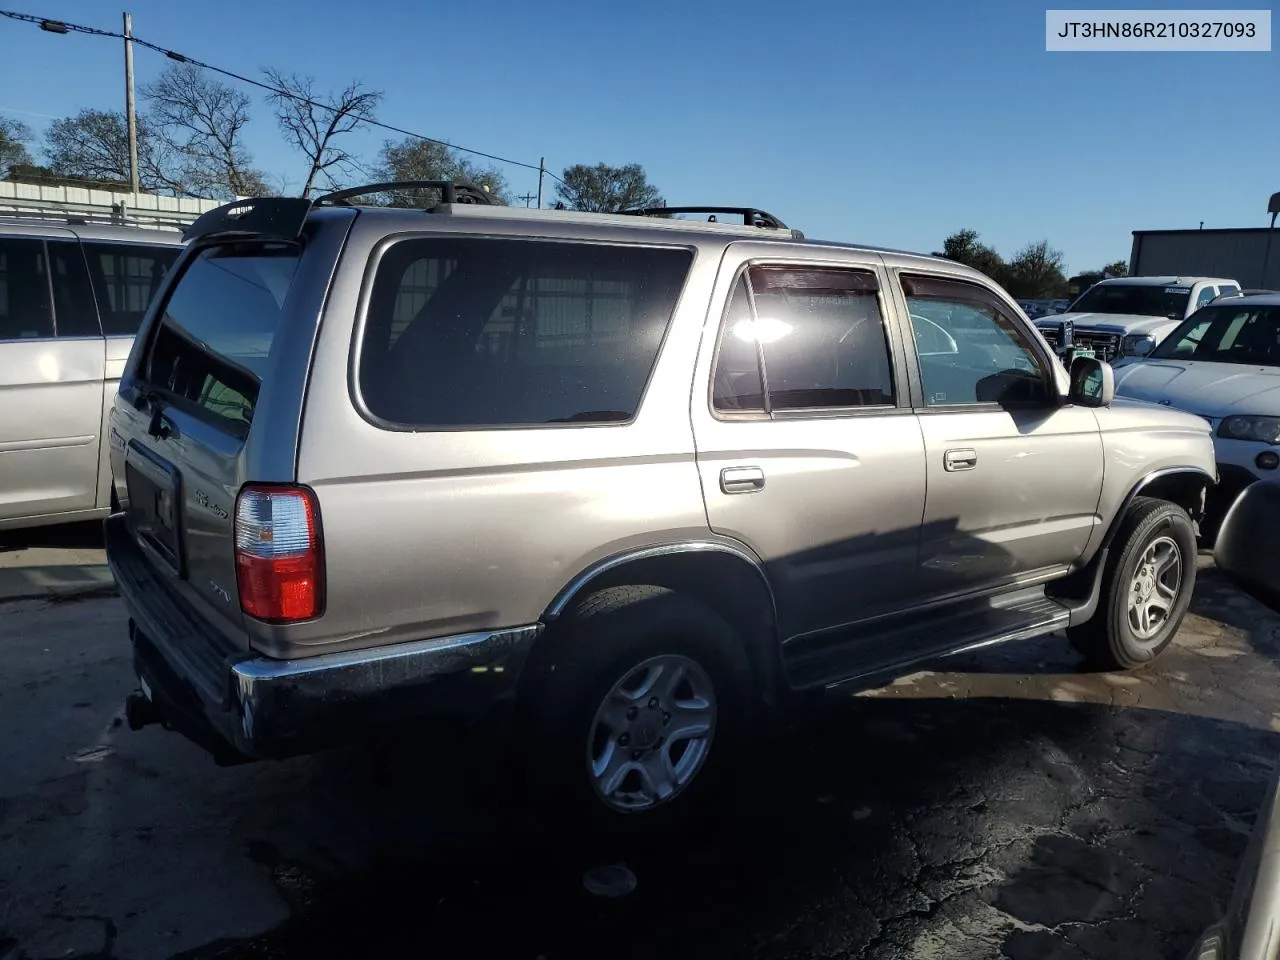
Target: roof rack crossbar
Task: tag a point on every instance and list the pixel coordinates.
(751, 216)
(451, 191)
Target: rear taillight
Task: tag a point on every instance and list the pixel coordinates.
(278, 563)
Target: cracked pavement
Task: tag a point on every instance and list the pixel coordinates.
(1000, 804)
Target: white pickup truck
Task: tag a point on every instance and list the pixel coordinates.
(1129, 316)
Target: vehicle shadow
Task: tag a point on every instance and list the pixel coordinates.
(73, 536)
(884, 829)
(970, 823)
(56, 562)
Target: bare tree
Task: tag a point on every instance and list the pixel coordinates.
(94, 145)
(311, 126)
(202, 121)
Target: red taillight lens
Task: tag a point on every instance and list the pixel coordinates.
(278, 563)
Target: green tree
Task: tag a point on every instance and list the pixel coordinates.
(14, 137)
(964, 247)
(1035, 273)
(416, 159)
(94, 145)
(606, 189)
(1083, 281)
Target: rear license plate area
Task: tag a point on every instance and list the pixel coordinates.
(155, 503)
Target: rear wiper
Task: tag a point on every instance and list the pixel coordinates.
(586, 415)
(146, 397)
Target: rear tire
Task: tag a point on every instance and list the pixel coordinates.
(1146, 588)
(613, 706)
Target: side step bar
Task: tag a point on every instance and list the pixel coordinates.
(872, 652)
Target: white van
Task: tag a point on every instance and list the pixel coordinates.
(71, 299)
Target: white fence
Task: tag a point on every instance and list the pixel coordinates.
(81, 204)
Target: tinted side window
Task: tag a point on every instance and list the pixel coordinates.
(26, 310)
(212, 343)
(737, 387)
(1185, 345)
(970, 350)
(74, 312)
(823, 337)
(1228, 290)
(1205, 295)
(488, 332)
(125, 278)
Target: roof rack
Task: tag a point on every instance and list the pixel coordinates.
(751, 216)
(282, 218)
(451, 191)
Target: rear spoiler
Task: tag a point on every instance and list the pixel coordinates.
(265, 218)
(282, 218)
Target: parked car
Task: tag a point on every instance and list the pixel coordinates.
(634, 481)
(1222, 364)
(71, 299)
(1127, 316)
(1246, 553)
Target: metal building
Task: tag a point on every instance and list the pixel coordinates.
(1236, 253)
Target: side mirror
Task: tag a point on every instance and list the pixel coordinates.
(1093, 382)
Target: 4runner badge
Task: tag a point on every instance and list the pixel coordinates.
(203, 500)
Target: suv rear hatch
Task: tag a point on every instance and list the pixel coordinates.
(184, 421)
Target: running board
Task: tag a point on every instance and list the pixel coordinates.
(874, 652)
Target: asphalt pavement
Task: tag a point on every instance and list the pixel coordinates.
(1002, 804)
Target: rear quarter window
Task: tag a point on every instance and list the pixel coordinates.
(211, 346)
(488, 332)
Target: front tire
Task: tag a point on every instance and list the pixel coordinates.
(1146, 588)
(633, 710)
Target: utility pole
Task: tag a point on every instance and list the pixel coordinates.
(131, 113)
(526, 198)
(542, 168)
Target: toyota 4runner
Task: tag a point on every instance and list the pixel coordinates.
(632, 480)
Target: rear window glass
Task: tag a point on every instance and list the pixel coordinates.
(491, 332)
(212, 344)
(125, 277)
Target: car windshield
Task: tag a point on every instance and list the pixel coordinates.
(1226, 334)
(1144, 300)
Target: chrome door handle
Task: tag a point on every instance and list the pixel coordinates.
(741, 479)
(964, 458)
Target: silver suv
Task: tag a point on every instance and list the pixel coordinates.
(633, 479)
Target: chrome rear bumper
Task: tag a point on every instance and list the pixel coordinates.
(239, 705)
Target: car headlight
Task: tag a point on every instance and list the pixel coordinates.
(1259, 429)
(1138, 345)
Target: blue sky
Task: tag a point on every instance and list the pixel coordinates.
(886, 123)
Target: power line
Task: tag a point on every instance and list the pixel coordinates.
(62, 27)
